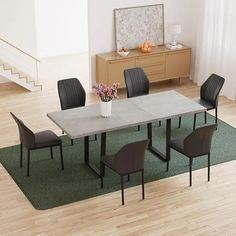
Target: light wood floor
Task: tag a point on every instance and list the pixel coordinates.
(170, 207)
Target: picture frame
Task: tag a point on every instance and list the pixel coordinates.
(135, 25)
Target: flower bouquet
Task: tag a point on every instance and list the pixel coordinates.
(106, 94)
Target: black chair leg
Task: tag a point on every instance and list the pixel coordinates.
(102, 172)
(180, 118)
(190, 171)
(194, 122)
(62, 163)
(216, 115)
(167, 165)
(143, 185)
(138, 127)
(51, 152)
(122, 189)
(128, 177)
(28, 164)
(209, 164)
(95, 136)
(205, 117)
(103, 169)
(21, 155)
(101, 181)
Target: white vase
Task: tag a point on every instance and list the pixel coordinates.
(106, 108)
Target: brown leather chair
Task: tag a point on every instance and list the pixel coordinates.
(130, 159)
(32, 141)
(197, 143)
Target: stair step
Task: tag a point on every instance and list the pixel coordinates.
(27, 79)
(7, 66)
(30, 83)
(14, 71)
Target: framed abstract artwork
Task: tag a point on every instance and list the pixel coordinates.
(135, 25)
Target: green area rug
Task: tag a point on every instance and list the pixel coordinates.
(49, 187)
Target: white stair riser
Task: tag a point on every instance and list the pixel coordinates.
(15, 78)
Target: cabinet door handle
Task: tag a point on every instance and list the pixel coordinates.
(178, 52)
(121, 60)
(148, 56)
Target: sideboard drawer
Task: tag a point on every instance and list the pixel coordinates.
(150, 70)
(156, 77)
(157, 59)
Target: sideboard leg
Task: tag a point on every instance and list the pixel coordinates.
(179, 81)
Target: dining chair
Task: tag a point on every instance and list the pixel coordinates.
(128, 160)
(209, 94)
(71, 94)
(33, 141)
(195, 144)
(137, 83)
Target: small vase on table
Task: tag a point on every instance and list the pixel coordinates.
(106, 108)
(106, 94)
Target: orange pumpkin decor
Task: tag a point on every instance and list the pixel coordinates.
(145, 47)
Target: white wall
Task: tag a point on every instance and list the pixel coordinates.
(101, 22)
(17, 24)
(65, 66)
(61, 27)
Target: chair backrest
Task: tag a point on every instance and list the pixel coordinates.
(136, 81)
(199, 141)
(27, 137)
(211, 88)
(131, 157)
(71, 93)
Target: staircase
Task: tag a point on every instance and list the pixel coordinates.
(19, 77)
(12, 72)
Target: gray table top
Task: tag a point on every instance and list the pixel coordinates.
(85, 121)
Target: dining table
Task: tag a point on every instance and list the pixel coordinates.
(83, 122)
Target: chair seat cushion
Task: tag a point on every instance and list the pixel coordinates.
(46, 138)
(206, 104)
(178, 144)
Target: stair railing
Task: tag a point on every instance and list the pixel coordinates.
(27, 54)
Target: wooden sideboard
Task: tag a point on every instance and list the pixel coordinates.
(160, 64)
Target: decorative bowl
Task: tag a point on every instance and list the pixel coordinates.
(123, 54)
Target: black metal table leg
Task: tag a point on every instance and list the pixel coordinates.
(149, 134)
(86, 149)
(103, 151)
(152, 149)
(86, 157)
(168, 137)
(103, 144)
